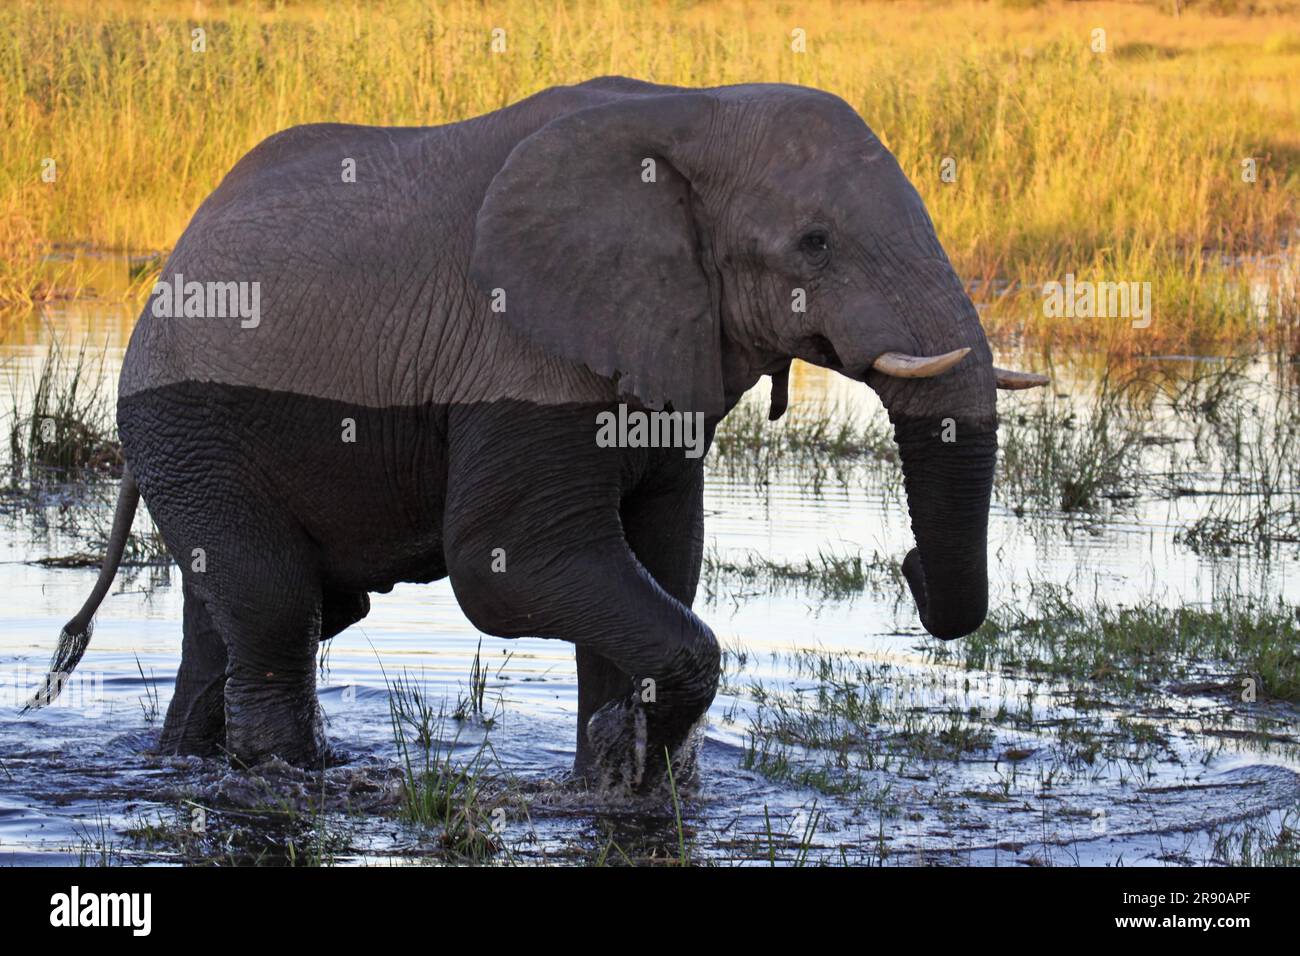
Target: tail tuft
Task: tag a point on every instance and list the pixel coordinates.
(72, 644)
(75, 636)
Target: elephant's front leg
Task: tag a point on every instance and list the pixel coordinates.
(550, 526)
(663, 523)
(605, 602)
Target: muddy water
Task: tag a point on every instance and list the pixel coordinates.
(79, 784)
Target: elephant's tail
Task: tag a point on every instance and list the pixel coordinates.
(75, 636)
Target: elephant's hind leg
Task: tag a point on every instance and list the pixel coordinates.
(196, 717)
(265, 598)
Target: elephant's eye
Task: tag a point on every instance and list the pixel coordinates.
(816, 245)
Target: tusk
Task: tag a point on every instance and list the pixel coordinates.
(917, 366)
(1015, 380)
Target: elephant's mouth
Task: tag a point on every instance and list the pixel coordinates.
(823, 353)
(819, 350)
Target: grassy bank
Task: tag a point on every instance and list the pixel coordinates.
(1115, 165)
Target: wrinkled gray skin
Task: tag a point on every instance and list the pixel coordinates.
(475, 430)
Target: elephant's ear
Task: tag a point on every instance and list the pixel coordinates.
(589, 233)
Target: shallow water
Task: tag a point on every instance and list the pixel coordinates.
(970, 766)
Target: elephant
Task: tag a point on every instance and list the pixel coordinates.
(438, 319)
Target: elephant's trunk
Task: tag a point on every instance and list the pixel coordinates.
(914, 336)
(948, 474)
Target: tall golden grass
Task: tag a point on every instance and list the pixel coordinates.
(1121, 165)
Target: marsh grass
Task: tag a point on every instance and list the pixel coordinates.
(1223, 434)
(96, 844)
(1232, 430)
(1068, 456)
(1256, 504)
(270, 814)
(828, 575)
(810, 431)
(274, 832)
(439, 790)
(470, 705)
(65, 461)
(1073, 693)
(63, 428)
(1122, 165)
(1145, 647)
(85, 511)
(845, 719)
(812, 445)
(1259, 842)
(778, 845)
(149, 702)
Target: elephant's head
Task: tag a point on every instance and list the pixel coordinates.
(686, 242)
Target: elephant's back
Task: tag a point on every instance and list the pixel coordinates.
(353, 242)
(297, 273)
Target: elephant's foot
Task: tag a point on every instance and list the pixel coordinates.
(196, 719)
(686, 757)
(269, 719)
(628, 757)
(617, 737)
